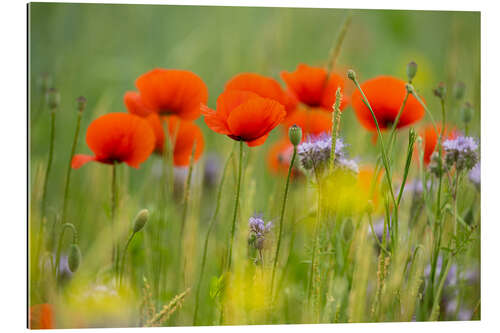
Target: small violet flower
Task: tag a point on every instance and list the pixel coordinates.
(258, 231)
(461, 152)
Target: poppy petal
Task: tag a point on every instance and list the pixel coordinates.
(171, 91)
(121, 137)
(135, 105)
(255, 118)
(258, 142)
(214, 121)
(80, 159)
(187, 134)
(306, 83)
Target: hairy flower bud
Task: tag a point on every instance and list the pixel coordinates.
(295, 134)
(351, 75)
(411, 70)
(74, 257)
(140, 220)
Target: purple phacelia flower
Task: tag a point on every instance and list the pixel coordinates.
(461, 152)
(258, 231)
(314, 154)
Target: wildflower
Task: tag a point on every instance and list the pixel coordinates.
(385, 95)
(475, 175)
(244, 116)
(314, 154)
(42, 316)
(314, 87)
(461, 152)
(184, 134)
(430, 137)
(311, 121)
(117, 137)
(347, 165)
(258, 231)
(263, 86)
(172, 91)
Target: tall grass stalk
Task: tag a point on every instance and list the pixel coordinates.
(69, 168)
(211, 225)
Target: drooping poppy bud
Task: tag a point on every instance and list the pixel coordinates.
(440, 90)
(74, 257)
(53, 98)
(351, 75)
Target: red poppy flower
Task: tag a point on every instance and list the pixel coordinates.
(312, 121)
(135, 104)
(244, 116)
(184, 133)
(430, 137)
(118, 137)
(172, 91)
(386, 95)
(41, 316)
(314, 87)
(264, 87)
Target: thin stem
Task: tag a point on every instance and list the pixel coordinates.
(45, 184)
(280, 230)
(315, 243)
(392, 135)
(207, 237)
(236, 203)
(187, 187)
(114, 256)
(375, 235)
(123, 257)
(335, 51)
(68, 170)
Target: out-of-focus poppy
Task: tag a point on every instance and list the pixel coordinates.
(118, 137)
(279, 157)
(244, 116)
(181, 132)
(385, 95)
(41, 316)
(173, 91)
(264, 87)
(369, 186)
(430, 138)
(135, 104)
(312, 121)
(314, 87)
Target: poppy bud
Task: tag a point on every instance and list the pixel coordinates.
(53, 98)
(459, 90)
(411, 70)
(81, 103)
(74, 257)
(467, 112)
(351, 75)
(440, 90)
(140, 220)
(295, 134)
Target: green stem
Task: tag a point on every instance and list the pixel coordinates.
(187, 187)
(280, 231)
(236, 203)
(123, 258)
(114, 256)
(315, 244)
(335, 51)
(207, 236)
(68, 170)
